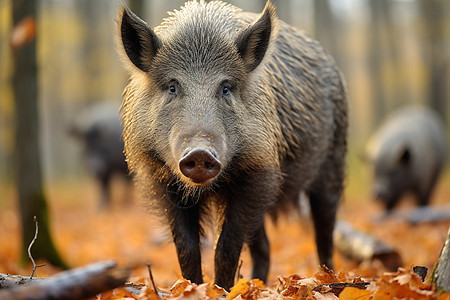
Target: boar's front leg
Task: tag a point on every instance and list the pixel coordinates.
(228, 250)
(185, 226)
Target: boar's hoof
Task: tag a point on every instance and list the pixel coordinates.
(199, 165)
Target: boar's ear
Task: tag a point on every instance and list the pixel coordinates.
(253, 42)
(138, 40)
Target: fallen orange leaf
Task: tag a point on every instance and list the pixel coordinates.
(148, 293)
(444, 296)
(240, 288)
(179, 287)
(351, 293)
(402, 284)
(258, 283)
(213, 291)
(326, 276)
(247, 289)
(296, 286)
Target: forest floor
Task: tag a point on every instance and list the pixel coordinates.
(128, 234)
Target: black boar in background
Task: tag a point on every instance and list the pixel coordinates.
(98, 128)
(232, 113)
(408, 154)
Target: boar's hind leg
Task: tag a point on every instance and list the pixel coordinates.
(325, 192)
(105, 200)
(260, 251)
(185, 226)
(323, 209)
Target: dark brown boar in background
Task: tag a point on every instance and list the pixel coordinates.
(237, 112)
(98, 129)
(408, 154)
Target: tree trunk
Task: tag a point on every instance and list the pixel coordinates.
(436, 53)
(137, 6)
(28, 171)
(376, 61)
(441, 271)
(326, 28)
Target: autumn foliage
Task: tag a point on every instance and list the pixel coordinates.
(128, 234)
(402, 284)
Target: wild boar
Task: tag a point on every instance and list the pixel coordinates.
(233, 114)
(98, 129)
(408, 154)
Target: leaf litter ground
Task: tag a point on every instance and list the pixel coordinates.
(128, 234)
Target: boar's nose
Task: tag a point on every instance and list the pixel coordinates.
(380, 193)
(199, 165)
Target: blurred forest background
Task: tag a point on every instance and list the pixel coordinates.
(392, 53)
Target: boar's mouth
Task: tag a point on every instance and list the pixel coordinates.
(200, 165)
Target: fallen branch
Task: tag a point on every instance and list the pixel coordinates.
(418, 215)
(9, 281)
(79, 283)
(361, 246)
(337, 288)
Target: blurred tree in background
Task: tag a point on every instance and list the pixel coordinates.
(436, 14)
(137, 6)
(32, 201)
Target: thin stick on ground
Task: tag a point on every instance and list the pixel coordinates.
(151, 278)
(29, 248)
(238, 272)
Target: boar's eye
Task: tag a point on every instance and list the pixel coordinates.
(225, 92)
(173, 88)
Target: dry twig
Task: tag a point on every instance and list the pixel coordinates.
(238, 273)
(29, 248)
(151, 278)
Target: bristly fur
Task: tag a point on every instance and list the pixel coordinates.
(281, 130)
(208, 26)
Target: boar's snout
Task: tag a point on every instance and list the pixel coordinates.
(199, 165)
(380, 192)
(380, 195)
